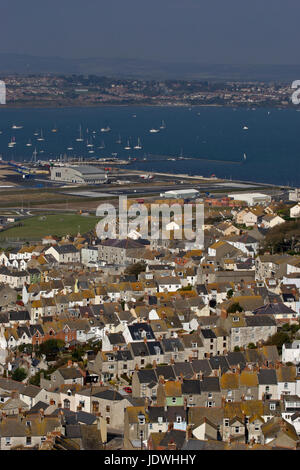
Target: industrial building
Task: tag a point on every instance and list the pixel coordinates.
(81, 174)
(251, 198)
(180, 193)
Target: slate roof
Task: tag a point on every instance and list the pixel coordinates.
(267, 377)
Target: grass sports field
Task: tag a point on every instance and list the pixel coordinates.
(34, 228)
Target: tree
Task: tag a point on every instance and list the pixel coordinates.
(237, 348)
(19, 374)
(251, 346)
(136, 268)
(285, 327)
(35, 379)
(51, 347)
(27, 348)
(278, 339)
(235, 307)
(229, 293)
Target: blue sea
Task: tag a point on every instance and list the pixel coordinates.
(213, 138)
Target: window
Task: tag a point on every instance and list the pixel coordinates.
(28, 440)
(226, 422)
(173, 399)
(237, 429)
(286, 385)
(267, 388)
(7, 441)
(272, 406)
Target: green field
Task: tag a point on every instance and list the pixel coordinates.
(34, 228)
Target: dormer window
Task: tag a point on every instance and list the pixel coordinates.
(141, 418)
(236, 319)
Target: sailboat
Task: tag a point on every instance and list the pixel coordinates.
(127, 146)
(119, 140)
(102, 146)
(70, 148)
(29, 144)
(245, 156)
(89, 144)
(16, 127)
(153, 130)
(54, 128)
(12, 142)
(105, 129)
(80, 139)
(163, 125)
(41, 138)
(138, 146)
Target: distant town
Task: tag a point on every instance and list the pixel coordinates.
(78, 90)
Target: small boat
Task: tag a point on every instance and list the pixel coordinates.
(138, 146)
(16, 127)
(153, 131)
(54, 128)
(41, 138)
(245, 156)
(80, 139)
(70, 148)
(12, 142)
(102, 146)
(163, 125)
(245, 128)
(29, 144)
(127, 146)
(105, 129)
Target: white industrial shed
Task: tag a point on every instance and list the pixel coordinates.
(251, 198)
(81, 174)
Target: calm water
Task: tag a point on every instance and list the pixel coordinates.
(271, 143)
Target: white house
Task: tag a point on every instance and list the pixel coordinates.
(291, 352)
(295, 211)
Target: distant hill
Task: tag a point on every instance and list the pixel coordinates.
(145, 69)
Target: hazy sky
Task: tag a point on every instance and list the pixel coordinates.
(209, 31)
